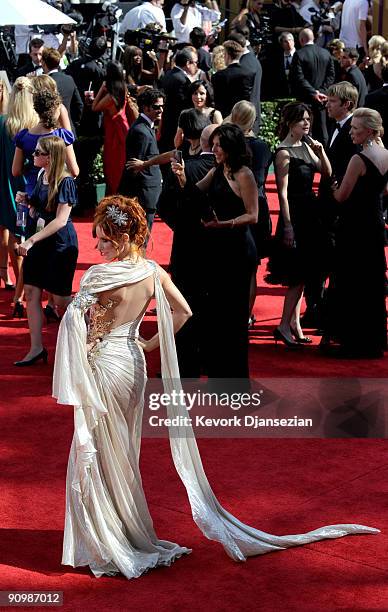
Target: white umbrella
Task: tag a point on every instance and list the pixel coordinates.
(30, 12)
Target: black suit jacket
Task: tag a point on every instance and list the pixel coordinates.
(175, 85)
(341, 151)
(312, 69)
(70, 97)
(378, 100)
(339, 154)
(26, 69)
(250, 61)
(231, 85)
(356, 78)
(141, 143)
(279, 85)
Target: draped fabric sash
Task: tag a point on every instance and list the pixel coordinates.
(74, 384)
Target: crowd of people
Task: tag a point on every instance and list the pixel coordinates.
(181, 136)
(180, 130)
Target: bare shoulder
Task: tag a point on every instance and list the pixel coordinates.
(244, 175)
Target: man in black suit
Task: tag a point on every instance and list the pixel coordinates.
(67, 88)
(378, 100)
(280, 65)
(34, 64)
(311, 73)
(233, 83)
(176, 84)
(353, 73)
(88, 71)
(141, 144)
(198, 40)
(341, 102)
(252, 63)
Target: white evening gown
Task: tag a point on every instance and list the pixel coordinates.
(108, 525)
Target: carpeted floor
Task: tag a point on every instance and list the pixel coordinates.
(279, 486)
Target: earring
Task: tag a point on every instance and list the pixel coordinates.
(369, 142)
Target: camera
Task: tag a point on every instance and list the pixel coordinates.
(260, 35)
(149, 38)
(321, 16)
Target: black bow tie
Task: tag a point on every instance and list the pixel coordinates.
(338, 126)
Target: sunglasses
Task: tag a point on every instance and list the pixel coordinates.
(157, 106)
(38, 153)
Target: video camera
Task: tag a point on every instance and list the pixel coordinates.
(150, 38)
(321, 15)
(260, 36)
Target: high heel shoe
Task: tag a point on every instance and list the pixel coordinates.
(7, 286)
(51, 314)
(300, 339)
(28, 362)
(18, 310)
(277, 334)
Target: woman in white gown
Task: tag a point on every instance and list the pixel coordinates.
(100, 370)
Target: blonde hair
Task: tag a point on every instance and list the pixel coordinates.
(345, 91)
(374, 47)
(218, 58)
(371, 119)
(243, 115)
(21, 114)
(4, 97)
(384, 52)
(44, 82)
(55, 148)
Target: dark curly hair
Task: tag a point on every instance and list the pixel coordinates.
(233, 143)
(136, 226)
(46, 104)
(292, 113)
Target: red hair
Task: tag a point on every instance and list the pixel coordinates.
(136, 225)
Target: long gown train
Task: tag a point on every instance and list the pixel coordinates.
(108, 525)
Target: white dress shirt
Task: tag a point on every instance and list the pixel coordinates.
(196, 15)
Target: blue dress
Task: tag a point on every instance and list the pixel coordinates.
(9, 184)
(50, 263)
(26, 141)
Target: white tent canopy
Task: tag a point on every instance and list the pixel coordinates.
(30, 12)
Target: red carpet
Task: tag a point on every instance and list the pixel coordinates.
(279, 486)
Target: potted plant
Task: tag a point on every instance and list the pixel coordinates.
(97, 175)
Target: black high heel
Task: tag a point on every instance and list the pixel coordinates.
(51, 314)
(18, 310)
(277, 334)
(7, 286)
(29, 362)
(300, 339)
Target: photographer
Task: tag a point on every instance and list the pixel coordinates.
(88, 73)
(189, 14)
(140, 16)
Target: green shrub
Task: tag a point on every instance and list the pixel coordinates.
(97, 174)
(270, 117)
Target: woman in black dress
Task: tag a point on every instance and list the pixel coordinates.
(244, 115)
(299, 241)
(231, 255)
(51, 249)
(358, 314)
